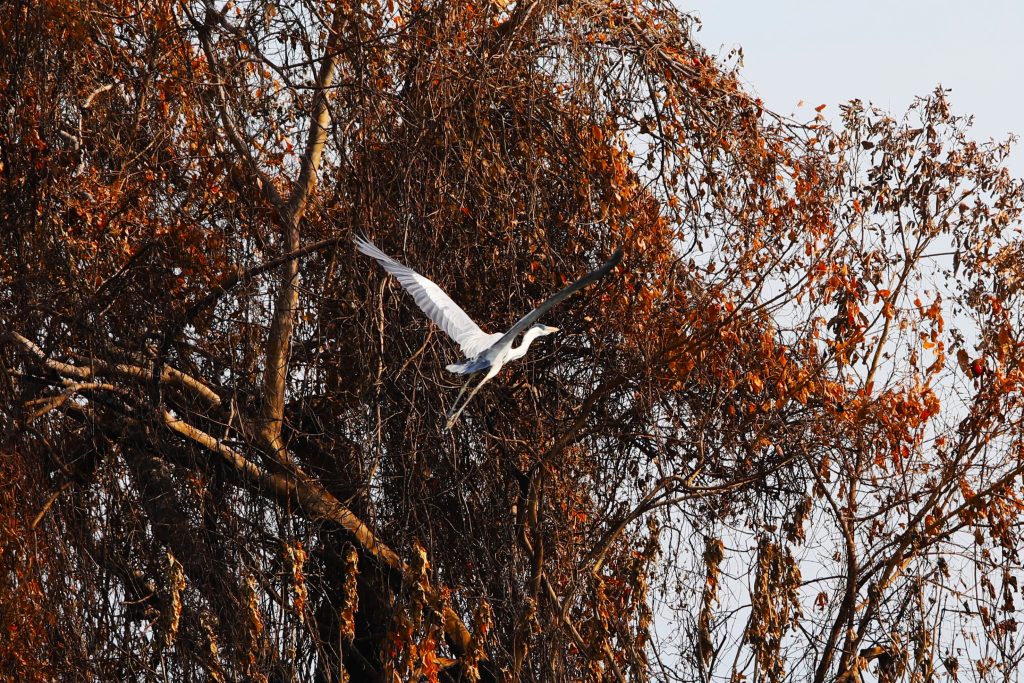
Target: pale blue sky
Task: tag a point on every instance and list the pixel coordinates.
(826, 52)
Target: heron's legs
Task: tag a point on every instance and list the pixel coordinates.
(455, 415)
(461, 392)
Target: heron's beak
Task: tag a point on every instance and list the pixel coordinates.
(552, 330)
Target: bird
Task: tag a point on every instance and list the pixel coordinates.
(485, 353)
(973, 368)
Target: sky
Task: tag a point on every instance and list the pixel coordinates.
(885, 52)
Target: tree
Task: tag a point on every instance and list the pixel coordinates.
(749, 455)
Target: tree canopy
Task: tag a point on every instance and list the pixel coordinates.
(781, 441)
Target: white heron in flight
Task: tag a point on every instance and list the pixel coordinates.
(485, 353)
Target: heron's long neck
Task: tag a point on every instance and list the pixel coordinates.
(520, 351)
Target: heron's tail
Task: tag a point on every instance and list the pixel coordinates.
(468, 367)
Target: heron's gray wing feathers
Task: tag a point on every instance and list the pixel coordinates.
(534, 315)
(432, 300)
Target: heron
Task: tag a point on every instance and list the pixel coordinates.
(485, 353)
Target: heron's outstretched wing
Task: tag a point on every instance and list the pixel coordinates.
(532, 317)
(432, 300)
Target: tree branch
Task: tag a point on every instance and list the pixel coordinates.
(275, 373)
